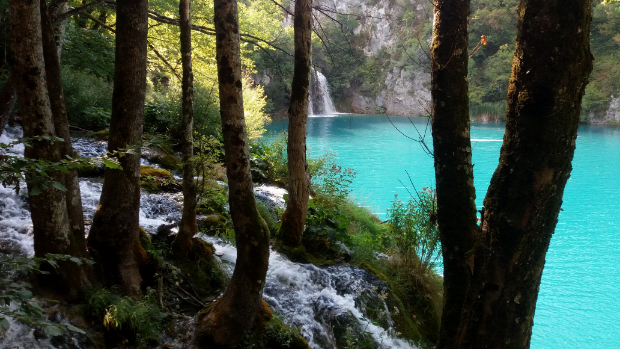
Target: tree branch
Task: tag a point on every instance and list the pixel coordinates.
(61, 17)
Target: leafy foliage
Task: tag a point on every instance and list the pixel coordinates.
(16, 298)
(413, 226)
(142, 318)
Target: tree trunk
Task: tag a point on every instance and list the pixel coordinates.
(549, 75)
(115, 227)
(227, 320)
(294, 217)
(456, 207)
(189, 225)
(52, 233)
(61, 125)
(8, 97)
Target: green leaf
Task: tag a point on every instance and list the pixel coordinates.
(111, 164)
(58, 186)
(36, 190)
(4, 323)
(75, 329)
(76, 260)
(285, 197)
(54, 331)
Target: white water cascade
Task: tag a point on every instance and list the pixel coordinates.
(320, 98)
(328, 304)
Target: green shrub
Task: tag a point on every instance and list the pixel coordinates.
(117, 313)
(274, 153)
(88, 98)
(413, 226)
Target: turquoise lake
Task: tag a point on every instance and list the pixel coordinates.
(579, 300)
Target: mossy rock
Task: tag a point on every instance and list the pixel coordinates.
(300, 255)
(201, 269)
(155, 180)
(212, 223)
(409, 321)
(146, 171)
(167, 161)
(91, 171)
(270, 332)
(102, 135)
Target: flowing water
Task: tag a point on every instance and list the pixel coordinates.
(323, 302)
(320, 98)
(579, 300)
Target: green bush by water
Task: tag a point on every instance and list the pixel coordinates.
(142, 319)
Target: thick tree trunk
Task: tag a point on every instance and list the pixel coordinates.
(225, 322)
(61, 125)
(294, 217)
(549, 75)
(456, 207)
(189, 225)
(115, 227)
(52, 233)
(8, 97)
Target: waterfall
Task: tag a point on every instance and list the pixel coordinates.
(320, 98)
(322, 302)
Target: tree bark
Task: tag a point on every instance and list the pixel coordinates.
(226, 321)
(550, 72)
(189, 225)
(61, 125)
(115, 227)
(52, 232)
(456, 207)
(294, 217)
(8, 97)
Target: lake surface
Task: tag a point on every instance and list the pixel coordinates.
(579, 300)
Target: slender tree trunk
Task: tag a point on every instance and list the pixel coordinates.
(8, 97)
(294, 217)
(189, 225)
(61, 125)
(549, 75)
(227, 320)
(456, 207)
(115, 227)
(52, 232)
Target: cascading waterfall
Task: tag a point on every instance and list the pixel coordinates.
(328, 304)
(320, 98)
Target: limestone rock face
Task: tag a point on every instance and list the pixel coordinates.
(612, 116)
(407, 92)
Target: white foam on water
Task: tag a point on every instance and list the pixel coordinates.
(308, 297)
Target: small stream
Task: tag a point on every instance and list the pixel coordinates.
(325, 303)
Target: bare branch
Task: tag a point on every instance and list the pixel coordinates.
(61, 17)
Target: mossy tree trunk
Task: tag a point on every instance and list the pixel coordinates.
(456, 207)
(226, 321)
(189, 225)
(61, 125)
(52, 231)
(115, 227)
(294, 217)
(550, 72)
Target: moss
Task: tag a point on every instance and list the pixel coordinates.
(202, 271)
(146, 171)
(102, 135)
(300, 255)
(154, 180)
(167, 161)
(212, 223)
(270, 332)
(403, 318)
